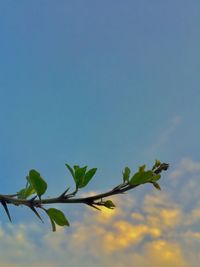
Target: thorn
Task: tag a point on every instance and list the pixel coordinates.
(3, 202)
(36, 213)
(64, 193)
(33, 198)
(117, 187)
(72, 194)
(93, 206)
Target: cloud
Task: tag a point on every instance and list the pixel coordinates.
(183, 181)
(152, 236)
(163, 253)
(186, 166)
(13, 240)
(144, 238)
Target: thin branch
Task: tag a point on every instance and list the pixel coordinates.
(62, 199)
(68, 199)
(94, 201)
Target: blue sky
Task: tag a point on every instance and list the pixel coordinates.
(102, 83)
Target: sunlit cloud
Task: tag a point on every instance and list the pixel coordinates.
(164, 253)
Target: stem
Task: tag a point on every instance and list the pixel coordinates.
(62, 199)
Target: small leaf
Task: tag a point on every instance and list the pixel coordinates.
(57, 216)
(26, 192)
(156, 164)
(88, 176)
(37, 182)
(76, 167)
(126, 174)
(156, 185)
(156, 177)
(142, 168)
(70, 169)
(79, 176)
(141, 178)
(109, 204)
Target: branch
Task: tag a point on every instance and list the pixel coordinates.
(66, 199)
(36, 185)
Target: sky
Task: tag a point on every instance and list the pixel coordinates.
(106, 84)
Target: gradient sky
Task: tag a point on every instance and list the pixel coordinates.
(105, 84)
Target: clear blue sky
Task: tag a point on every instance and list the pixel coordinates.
(103, 83)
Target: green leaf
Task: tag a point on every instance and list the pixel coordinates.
(126, 174)
(26, 192)
(156, 185)
(79, 176)
(142, 168)
(141, 178)
(70, 169)
(88, 176)
(109, 204)
(37, 182)
(76, 167)
(156, 177)
(156, 164)
(57, 216)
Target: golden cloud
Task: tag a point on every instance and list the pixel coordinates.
(164, 253)
(112, 231)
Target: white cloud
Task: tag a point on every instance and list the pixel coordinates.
(186, 166)
(183, 182)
